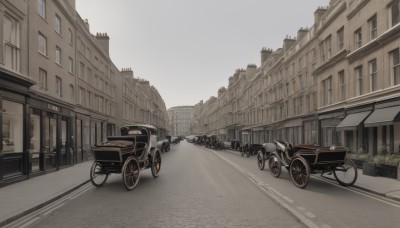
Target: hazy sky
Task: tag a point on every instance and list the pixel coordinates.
(188, 49)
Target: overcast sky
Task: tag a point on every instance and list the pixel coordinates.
(188, 49)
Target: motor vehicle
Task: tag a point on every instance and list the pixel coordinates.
(135, 150)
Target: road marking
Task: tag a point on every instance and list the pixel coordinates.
(40, 214)
(306, 217)
(360, 192)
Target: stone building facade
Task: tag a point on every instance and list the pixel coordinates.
(58, 90)
(180, 120)
(337, 82)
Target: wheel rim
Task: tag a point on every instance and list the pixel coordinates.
(97, 175)
(131, 174)
(274, 166)
(157, 162)
(259, 160)
(299, 173)
(346, 174)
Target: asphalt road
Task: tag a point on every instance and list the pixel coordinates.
(196, 188)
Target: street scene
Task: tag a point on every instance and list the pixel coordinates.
(200, 187)
(200, 113)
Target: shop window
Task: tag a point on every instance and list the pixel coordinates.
(35, 139)
(12, 126)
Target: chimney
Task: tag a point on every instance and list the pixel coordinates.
(104, 41)
(230, 81)
(127, 72)
(288, 43)
(318, 14)
(236, 76)
(265, 54)
(301, 33)
(251, 69)
(86, 22)
(221, 91)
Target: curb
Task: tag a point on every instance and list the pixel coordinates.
(37, 207)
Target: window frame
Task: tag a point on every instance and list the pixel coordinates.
(42, 44)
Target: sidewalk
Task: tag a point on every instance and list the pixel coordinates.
(24, 197)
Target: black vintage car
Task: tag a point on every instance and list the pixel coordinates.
(133, 151)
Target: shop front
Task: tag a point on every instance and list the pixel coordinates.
(14, 149)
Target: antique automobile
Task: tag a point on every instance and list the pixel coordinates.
(163, 145)
(250, 149)
(303, 160)
(235, 144)
(133, 151)
(264, 153)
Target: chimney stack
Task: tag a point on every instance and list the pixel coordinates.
(288, 43)
(318, 14)
(301, 33)
(265, 54)
(104, 41)
(251, 69)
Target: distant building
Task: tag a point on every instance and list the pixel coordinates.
(180, 120)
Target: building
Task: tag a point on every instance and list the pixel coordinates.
(335, 83)
(58, 90)
(180, 120)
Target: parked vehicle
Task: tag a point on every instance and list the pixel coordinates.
(235, 144)
(250, 149)
(302, 160)
(264, 153)
(135, 150)
(163, 145)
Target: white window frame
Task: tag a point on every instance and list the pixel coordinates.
(372, 71)
(42, 44)
(71, 65)
(42, 8)
(340, 39)
(373, 27)
(358, 38)
(57, 24)
(43, 79)
(394, 66)
(359, 80)
(58, 86)
(390, 13)
(11, 43)
(58, 55)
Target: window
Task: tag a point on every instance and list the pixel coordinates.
(326, 49)
(42, 79)
(42, 8)
(42, 44)
(57, 25)
(71, 36)
(58, 86)
(12, 126)
(89, 75)
(88, 101)
(340, 39)
(358, 38)
(82, 71)
(372, 26)
(359, 80)
(71, 92)
(394, 13)
(71, 65)
(394, 67)
(81, 96)
(342, 86)
(11, 42)
(58, 55)
(327, 91)
(373, 75)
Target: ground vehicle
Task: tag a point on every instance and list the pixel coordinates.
(264, 153)
(250, 149)
(133, 151)
(302, 160)
(164, 145)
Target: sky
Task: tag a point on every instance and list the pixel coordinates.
(188, 49)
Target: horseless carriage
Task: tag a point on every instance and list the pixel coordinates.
(133, 151)
(250, 149)
(302, 160)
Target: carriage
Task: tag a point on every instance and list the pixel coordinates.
(133, 151)
(305, 159)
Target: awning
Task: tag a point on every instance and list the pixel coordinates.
(382, 116)
(351, 121)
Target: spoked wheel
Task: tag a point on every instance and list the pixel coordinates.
(131, 173)
(156, 164)
(260, 160)
(346, 174)
(299, 172)
(275, 166)
(97, 176)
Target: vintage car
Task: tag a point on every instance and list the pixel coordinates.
(250, 149)
(133, 151)
(303, 159)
